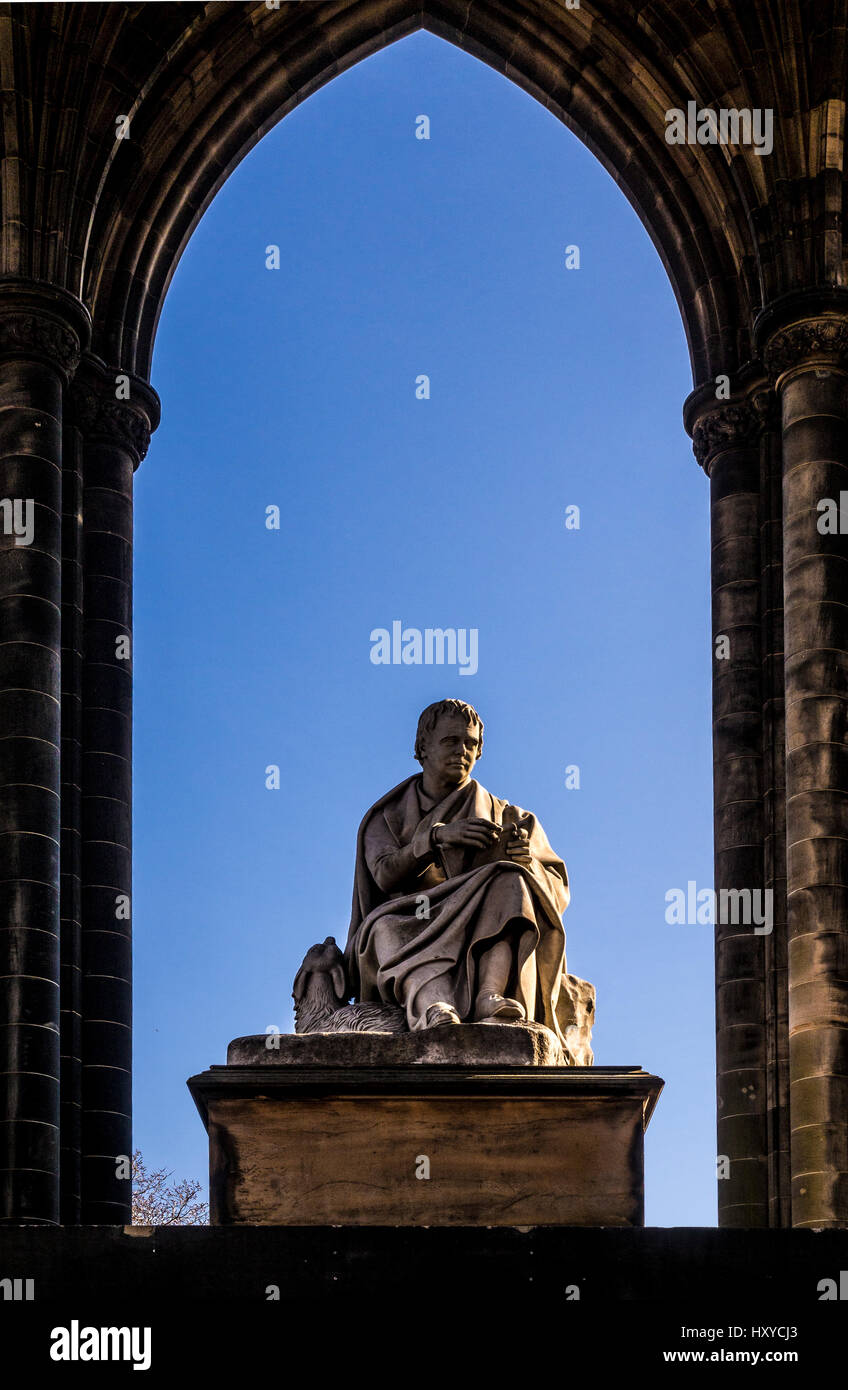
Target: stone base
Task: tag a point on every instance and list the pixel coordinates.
(487, 1143)
(457, 1045)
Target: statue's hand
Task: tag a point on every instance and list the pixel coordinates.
(476, 833)
(517, 846)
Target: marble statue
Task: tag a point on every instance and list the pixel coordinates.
(457, 909)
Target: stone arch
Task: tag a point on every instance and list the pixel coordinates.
(199, 95)
(91, 229)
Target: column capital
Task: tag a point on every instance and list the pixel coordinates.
(42, 322)
(735, 423)
(807, 331)
(116, 406)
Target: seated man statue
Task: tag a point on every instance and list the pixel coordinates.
(458, 897)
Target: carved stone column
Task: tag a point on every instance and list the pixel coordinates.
(114, 433)
(727, 442)
(805, 340)
(70, 935)
(774, 821)
(42, 331)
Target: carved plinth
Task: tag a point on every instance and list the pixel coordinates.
(491, 1142)
(470, 1045)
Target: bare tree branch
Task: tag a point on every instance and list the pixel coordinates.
(155, 1203)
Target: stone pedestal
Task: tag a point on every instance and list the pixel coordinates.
(455, 1126)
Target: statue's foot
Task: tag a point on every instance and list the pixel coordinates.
(438, 1014)
(497, 1009)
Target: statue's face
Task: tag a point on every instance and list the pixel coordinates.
(452, 749)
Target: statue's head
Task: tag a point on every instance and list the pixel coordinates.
(449, 739)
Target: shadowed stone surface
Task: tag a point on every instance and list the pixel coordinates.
(425, 1145)
(180, 1266)
(91, 230)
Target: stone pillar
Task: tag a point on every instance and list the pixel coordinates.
(70, 939)
(805, 340)
(114, 415)
(42, 330)
(726, 436)
(774, 823)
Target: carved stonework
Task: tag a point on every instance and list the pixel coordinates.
(814, 338)
(321, 1007)
(25, 333)
(439, 845)
(100, 416)
(735, 425)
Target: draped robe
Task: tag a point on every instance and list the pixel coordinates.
(442, 918)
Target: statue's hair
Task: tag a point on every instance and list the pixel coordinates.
(431, 715)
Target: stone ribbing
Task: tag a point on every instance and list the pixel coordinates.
(71, 843)
(41, 334)
(774, 825)
(204, 83)
(808, 361)
(115, 434)
(727, 444)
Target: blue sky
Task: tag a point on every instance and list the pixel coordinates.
(295, 388)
